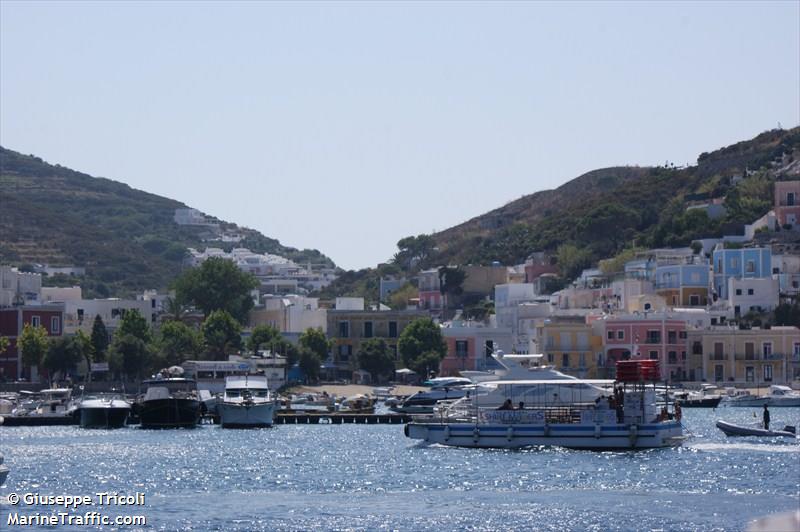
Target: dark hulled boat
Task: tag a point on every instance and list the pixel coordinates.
(169, 403)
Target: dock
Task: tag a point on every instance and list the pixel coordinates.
(338, 418)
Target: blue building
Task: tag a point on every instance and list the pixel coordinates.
(683, 284)
(746, 263)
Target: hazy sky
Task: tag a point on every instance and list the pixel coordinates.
(347, 126)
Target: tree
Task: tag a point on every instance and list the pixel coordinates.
(374, 356)
(217, 284)
(176, 308)
(451, 280)
(426, 363)
(419, 342)
(129, 355)
(414, 248)
(33, 344)
(309, 363)
(134, 324)
(398, 300)
(572, 260)
(63, 355)
(177, 342)
(99, 339)
(84, 345)
(315, 340)
(4, 343)
(221, 334)
(264, 336)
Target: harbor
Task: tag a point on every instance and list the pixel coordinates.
(364, 477)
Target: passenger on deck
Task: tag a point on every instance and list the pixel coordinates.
(507, 405)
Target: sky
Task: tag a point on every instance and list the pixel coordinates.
(348, 126)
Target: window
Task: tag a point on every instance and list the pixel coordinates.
(749, 373)
(582, 360)
(796, 349)
(682, 335)
(750, 266)
(36, 321)
(683, 355)
(719, 265)
(392, 329)
(750, 292)
(550, 358)
(738, 291)
(367, 329)
(461, 348)
(55, 325)
(672, 337)
(719, 350)
(697, 348)
(653, 355)
(749, 351)
(695, 277)
(694, 300)
(610, 335)
(647, 306)
(790, 199)
(672, 356)
(776, 271)
(344, 329)
(344, 352)
(80, 315)
(620, 335)
(734, 262)
(768, 373)
(488, 347)
(653, 337)
(565, 360)
(719, 372)
(767, 349)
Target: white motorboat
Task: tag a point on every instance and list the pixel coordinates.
(103, 411)
(732, 429)
(633, 424)
(246, 403)
(778, 396)
(442, 390)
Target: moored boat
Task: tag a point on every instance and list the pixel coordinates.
(169, 403)
(246, 403)
(3, 471)
(105, 412)
(626, 420)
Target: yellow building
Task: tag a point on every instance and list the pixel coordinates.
(751, 357)
(571, 346)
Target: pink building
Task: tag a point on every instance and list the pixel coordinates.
(469, 347)
(646, 337)
(12, 320)
(430, 295)
(787, 202)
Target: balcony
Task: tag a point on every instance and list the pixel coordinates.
(723, 356)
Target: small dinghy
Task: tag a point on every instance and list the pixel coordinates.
(731, 429)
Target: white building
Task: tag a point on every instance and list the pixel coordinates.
(52, 294)
(80, 314)
(786, 269)
(19, 288)
(190, 217)
(756, 295)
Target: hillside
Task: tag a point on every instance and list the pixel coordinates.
(607, 211)
(126, 238)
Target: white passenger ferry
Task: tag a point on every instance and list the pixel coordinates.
(626, 419)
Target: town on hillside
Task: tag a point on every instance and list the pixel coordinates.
(724, 311)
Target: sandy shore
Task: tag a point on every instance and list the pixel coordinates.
(347, 390)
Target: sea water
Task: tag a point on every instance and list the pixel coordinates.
(370, 477)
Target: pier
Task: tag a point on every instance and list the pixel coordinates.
(340, 419)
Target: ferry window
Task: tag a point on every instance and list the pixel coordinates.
(344, 329)
(768, 373)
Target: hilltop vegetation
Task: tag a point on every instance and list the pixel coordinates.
(126, 238)
(606, 212)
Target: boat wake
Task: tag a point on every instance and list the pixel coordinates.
(760, 447)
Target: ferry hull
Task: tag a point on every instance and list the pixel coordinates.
(571, 436)
(104, 418)
(237, 415)
(169, 413)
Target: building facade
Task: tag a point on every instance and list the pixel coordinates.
(12, 320)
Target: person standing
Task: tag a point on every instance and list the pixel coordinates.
(766, 417)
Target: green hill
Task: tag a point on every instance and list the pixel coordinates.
(604, 212)
(126, 239)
